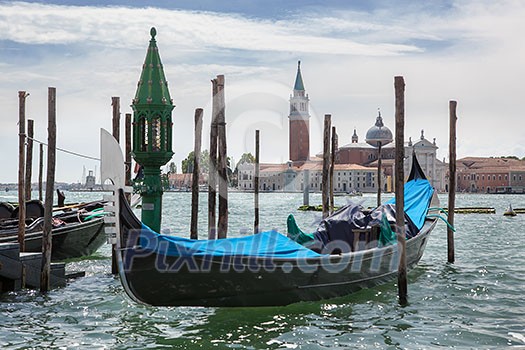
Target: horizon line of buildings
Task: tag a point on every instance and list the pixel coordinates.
(356, 163)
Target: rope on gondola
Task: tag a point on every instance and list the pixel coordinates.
(442, 218)
(441, 210)
(65, 150)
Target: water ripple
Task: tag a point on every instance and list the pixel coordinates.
(477, 302)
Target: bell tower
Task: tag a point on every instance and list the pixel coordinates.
(299, 121)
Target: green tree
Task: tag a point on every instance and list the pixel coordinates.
(246, 158)
(232, 180)
(205, 162)
(172, 168)
(187, 163)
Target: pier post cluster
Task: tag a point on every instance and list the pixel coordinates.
(24, 181)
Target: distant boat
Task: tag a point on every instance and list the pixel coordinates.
(509, 211)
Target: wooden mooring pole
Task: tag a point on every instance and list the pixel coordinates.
(256, 184)
(40, 171)
(326, 164)
(399, 85)
(212, 172)
(222, 223)
(379, 172)
(196, 174)
(306, 187)
(332, 168)
(115, 103)
(452, 180)
(21, 168)
(50, 184)
(29, 158)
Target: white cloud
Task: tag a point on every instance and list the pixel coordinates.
(123, 27)
(471, 53)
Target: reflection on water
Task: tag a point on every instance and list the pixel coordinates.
(475, 303)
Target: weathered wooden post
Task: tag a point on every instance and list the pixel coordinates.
(40, 171)
(115, 103)
(194, 233)
(332, 166)
(29, 158)
(50, 184)
(452, 180)
(222, 223)
(115, 121)
(379, 174)
(212, 172)
(256, 184)
(21, 168)
(306, 187)
(326, 164)
(399, 85)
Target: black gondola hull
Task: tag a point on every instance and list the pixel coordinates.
(163, 280)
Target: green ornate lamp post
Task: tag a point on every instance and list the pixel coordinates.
(152, 132)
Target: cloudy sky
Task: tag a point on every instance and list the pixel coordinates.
(469, 51)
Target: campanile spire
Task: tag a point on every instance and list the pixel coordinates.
(299, 120)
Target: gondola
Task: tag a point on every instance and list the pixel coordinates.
(266, 269)
(75, 233)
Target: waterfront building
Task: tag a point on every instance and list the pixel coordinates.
(291, 178)
(490, 175)
(184, 181)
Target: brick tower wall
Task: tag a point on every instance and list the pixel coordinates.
(299, 140)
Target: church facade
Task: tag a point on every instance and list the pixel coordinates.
(356, 162)
(362, 153)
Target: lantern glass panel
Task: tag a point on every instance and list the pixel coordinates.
(143, 128)
(155, 134)
(165, 138)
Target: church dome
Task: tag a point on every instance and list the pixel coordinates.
(379, 133)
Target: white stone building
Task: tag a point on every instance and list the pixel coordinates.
(290, 178)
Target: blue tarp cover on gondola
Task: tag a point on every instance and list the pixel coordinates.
(270, 244)
(418, 193)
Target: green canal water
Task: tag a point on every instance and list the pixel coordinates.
(478, 302)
